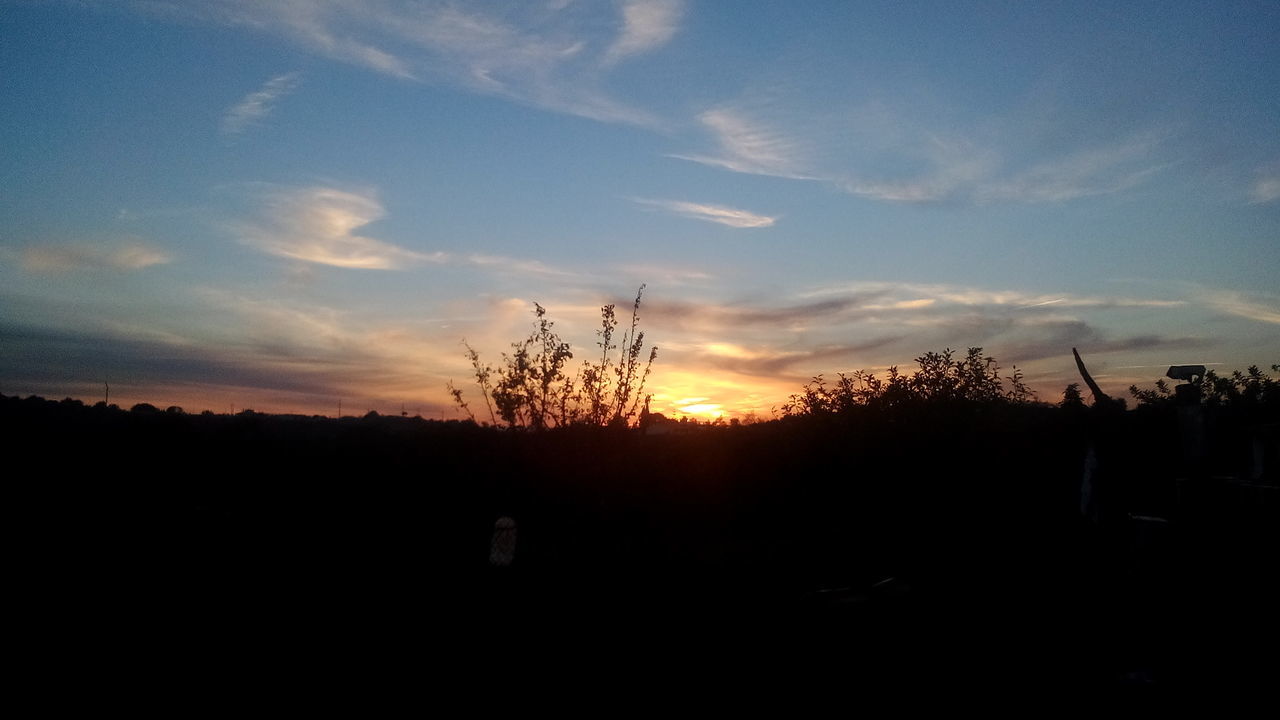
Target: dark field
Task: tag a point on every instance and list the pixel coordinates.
(926, 548)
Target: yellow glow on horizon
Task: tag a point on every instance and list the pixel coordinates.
(708, 410)
(709, 393)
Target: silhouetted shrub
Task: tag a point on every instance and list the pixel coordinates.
(531, 389)
(1251, 387)
(1071, 397)
(941, 379)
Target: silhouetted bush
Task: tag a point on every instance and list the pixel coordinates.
(941, 379)
(1071, 398)
(530, 388)
(1249, 388)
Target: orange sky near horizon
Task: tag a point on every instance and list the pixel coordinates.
(697, 394)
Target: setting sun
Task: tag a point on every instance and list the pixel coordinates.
(703, 410)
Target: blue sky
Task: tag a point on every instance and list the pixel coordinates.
(278, 205)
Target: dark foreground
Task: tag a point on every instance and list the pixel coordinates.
(942, 549)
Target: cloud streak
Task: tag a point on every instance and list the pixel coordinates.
(321, 225)
(647, 24)
(720, 214)
(67, 258)
(781, 342)
(880, 159)
(518, 266)
(1265, 190)
(774, 362)
(544, 56)
(1241, 305)
(1092, 171)
(318, 225)
(746, 145)
(257, 105)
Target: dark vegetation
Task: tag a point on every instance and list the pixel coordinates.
(530, 388)
(926, 529)
(942, 381)
(1250, 388)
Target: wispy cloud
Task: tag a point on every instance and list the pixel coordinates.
(925, 295)
(1265, 190)
(773, 362)
(258, 104)
(321, 224)
(672, 276)
(1041, 341)
(1091, 171)
(647, 24)
(720, 214)
(1254, 307)
(747, 145)
(339, 29)
(520, 266)
(947, 166)
(547, 56)
(867, 154)
(318, 224)
(782, 315)
(65, 258)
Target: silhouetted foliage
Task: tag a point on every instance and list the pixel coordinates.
(531, 389)
(941, 379)
(1071, 397)
(1249, 388)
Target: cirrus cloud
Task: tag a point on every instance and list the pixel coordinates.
(1265, 190)
(647, 24)
(720, 214)
(318, 225)
(65, 258)
(255, 106)
(551, 57)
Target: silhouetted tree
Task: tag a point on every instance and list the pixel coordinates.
(531, 389)
(1071, 397)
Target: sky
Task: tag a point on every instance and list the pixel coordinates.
(289, 205)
